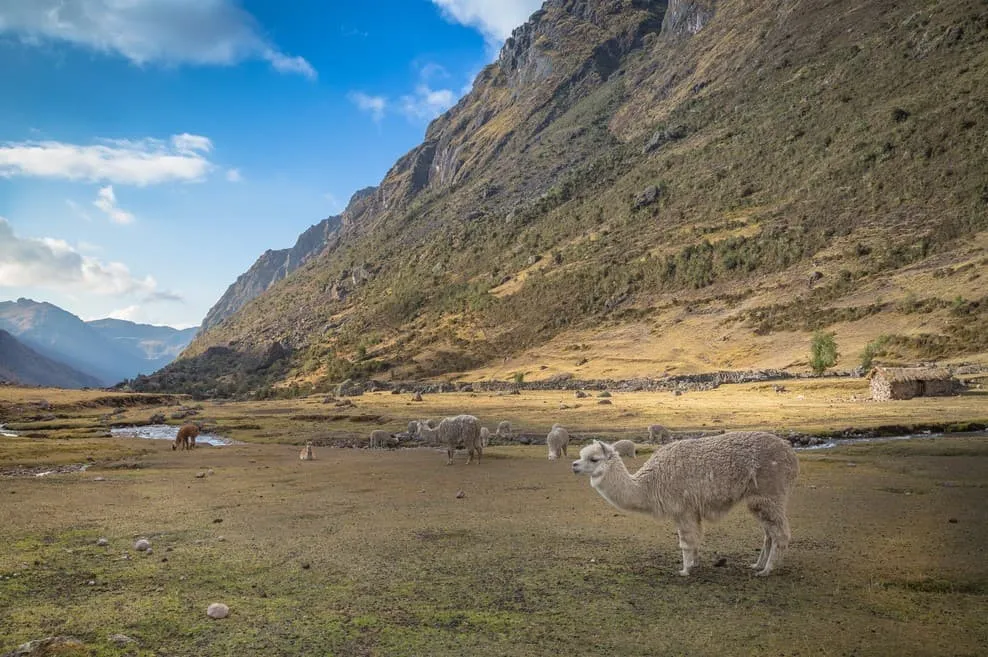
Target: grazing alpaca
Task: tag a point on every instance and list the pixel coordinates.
(461, 430)
(695, 480)
(557, 440)
(186, 437)
(306, 453)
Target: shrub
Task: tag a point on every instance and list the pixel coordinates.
(823, 351)
(874, 348)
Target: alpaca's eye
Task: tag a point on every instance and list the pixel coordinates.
(594, 458)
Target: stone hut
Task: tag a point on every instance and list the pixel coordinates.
(908, 382)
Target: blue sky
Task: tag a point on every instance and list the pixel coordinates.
(151, 150)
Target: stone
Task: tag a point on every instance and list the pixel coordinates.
(54, 645)
(200, 475)
(102, 541)
(217, 610)
(460, 494)
(605, 402)
(646, 197)
(142, 545)
(121, 639)
(417, 397)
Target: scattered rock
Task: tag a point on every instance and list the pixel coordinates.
(604, 394)
(646, 197)
(200, 475)
(417, 396)
(720, 563)
(605, 402)
(53, 645)
(102, 541)
(210, 472)
(121, 639)
(306, 566)
(221, 539)
(581, 395)
(460, 494)
(99, 478)
(217, 610)
(142, 545)
(952, 521)
(149, 551)
(563, 407)
(217, 520)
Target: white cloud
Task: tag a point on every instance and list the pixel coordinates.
(334, 203)
(234, 176)
(495, 19)
(210, 32)
(189, 144)
(427, 103)
(374, 105)
(54, 264)
(130, 314)
(106, 201)
(126, 162)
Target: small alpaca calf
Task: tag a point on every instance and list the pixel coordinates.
(695, 480)
(306, 453)
(557, 441)
(186, 437)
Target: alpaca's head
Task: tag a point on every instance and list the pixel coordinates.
(593, 459)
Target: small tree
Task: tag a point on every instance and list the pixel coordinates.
(874, 348)
(519, 377)
(823, 351)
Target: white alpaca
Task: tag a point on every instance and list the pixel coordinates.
(658, 434)
(429, 435)
(695, 480)
(381, 438)
(306, 453)
(625, 448)
(557, 440)
(503, 429)
(485, 436)
(461, 430)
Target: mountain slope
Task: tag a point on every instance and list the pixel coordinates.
(158, 345)
(21, 364)
(271, 267)
(718, 178)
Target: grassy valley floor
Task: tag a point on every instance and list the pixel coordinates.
(371, 552)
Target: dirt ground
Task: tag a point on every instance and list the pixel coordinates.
(365, 552)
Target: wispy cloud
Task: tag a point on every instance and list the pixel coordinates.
(234, 176)
(77, 209)
(55, 264)
(495, 19)
(126, 162)
(207, 32)
(427, 103)
(373, 105)
(106, 201)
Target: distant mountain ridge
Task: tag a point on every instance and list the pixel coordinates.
(110, 350)
(21, 364)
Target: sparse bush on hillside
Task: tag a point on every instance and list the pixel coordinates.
(823, 351)
(872, 350)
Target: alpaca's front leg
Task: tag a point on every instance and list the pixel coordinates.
(690, 535)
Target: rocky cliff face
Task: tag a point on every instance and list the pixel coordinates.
(658, 163)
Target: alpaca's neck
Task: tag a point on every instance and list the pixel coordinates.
(617, 486)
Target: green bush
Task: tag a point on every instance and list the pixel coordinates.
(823, 351)
(874, 348)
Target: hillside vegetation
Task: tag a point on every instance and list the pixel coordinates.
(633, 188)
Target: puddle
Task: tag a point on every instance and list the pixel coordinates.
(167, 432)
(836, 442)
(7, 433)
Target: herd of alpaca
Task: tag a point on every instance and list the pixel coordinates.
(687, 481)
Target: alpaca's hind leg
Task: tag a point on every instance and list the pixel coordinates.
(772, 515)
(690, 535)
(449, 456)
(763, 555)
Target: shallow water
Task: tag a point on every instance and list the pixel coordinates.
(836, 442)
(167, 432)
(7, 433)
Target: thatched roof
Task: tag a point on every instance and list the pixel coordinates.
(906, 374)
